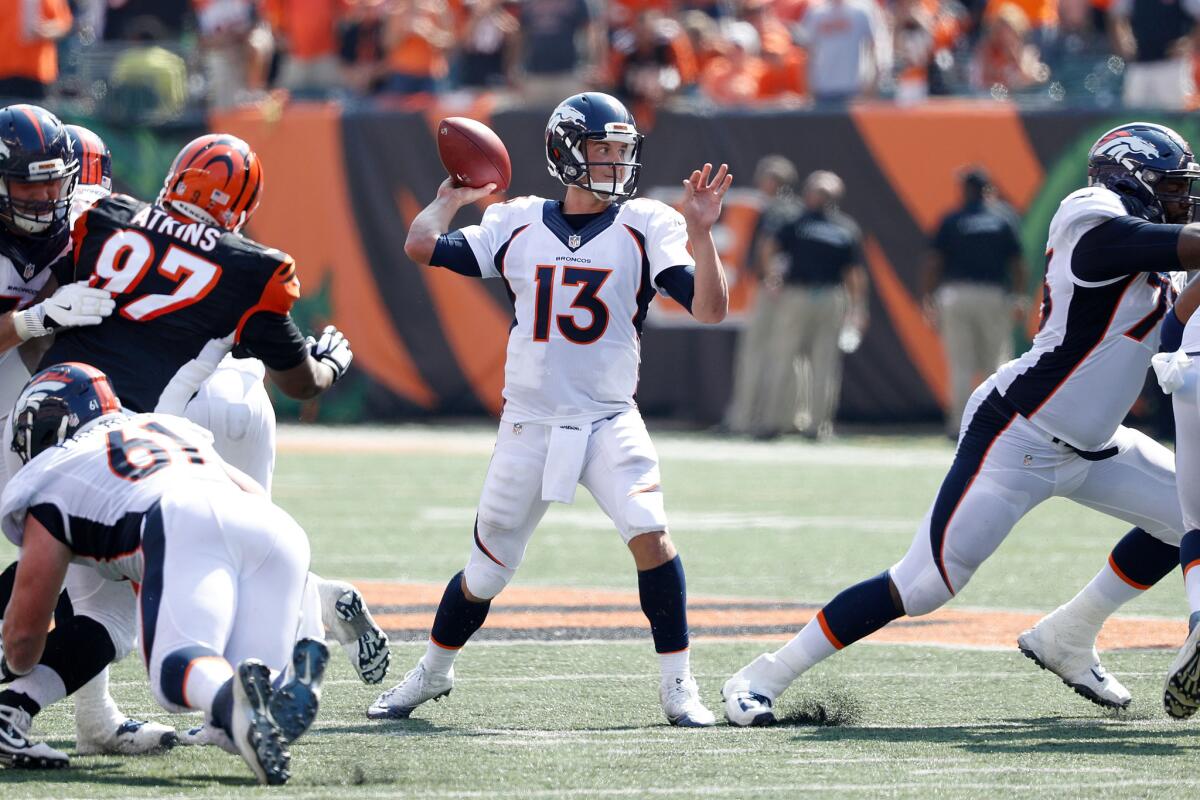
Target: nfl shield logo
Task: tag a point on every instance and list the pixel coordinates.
(573, 241)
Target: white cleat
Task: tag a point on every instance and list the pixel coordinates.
(418, 686)
(1069, 652)
(254, 733)
(208, 735)
(17, 751)
(681, 703)
(131, 737)
(749, 695)
(346, 617)
(1181, 696)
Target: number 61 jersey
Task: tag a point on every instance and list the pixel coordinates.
(92, 491)
(177, 286)
(579, 296)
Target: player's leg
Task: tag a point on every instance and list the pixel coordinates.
(1138, 486)
(510, 507)
(621, 472)
(1181, 695)
(987, 490)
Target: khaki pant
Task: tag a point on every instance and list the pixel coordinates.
(976, 327)
(808, 321)
(1158, 84)
(750, 365)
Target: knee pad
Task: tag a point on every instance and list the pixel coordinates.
(921, 593)
(484, 577)
(644, 512)
(168, 676)
(113, 605)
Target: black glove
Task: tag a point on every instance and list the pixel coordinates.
(1137, 199)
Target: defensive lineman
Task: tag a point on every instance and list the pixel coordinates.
(582, 273)
(1048, 424)
(221, 570)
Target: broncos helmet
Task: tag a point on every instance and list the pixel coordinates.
(35, 152)
(593, 116)
(58, 402)
(95, 160)
(1134, 159)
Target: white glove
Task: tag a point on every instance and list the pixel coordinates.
(1169, 368)
(71, 306)
(333, 349)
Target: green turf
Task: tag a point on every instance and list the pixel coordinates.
(787, 521)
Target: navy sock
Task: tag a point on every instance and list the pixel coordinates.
(1189, 549)
(78, 651)
(22, 701)
(222, 707)
(1141, 560)
(457, 618)
(663, 592)
(859, 611)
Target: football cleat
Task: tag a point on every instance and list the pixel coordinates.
(294, 705)
(749, 695)
(418, 686)
(204, 735)
(681, 703)
(1069, 651)
(132, 737)
(346, 617)
(1181, 697)
(17, 751)
(253, 731)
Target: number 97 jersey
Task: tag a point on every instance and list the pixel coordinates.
(177, 286)
(579, 296)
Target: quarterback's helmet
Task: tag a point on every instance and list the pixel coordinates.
(216, 179)
(38, 169)
(56, 403)
(1135, 159)
(593, 116)
(95, 160)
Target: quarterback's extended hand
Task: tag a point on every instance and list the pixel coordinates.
(71, 306)
(333, 349)
(702, 199)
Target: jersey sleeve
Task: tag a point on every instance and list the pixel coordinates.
(1125, 246)
(453, 252)
(15, 501)
(266, 330)
(666, 241)
(486, 238)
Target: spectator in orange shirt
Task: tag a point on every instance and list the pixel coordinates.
(786, 63)
(1005, 60)
(704, 36)
(306, 32)
(736, 78)
(417, 37)
(28, 56)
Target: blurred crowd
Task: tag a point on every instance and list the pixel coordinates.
(160, 55)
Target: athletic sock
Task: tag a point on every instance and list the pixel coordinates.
(1137, 562)
(94, 707)
(663, 594)
(857, 612)
(34, 691)
(456, 621)
(1189, 558)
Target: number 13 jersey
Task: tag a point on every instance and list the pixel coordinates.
(177, 285)
(579, 296)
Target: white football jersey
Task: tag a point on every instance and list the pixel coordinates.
(1089, 359)
(580, 298)
(102, 481)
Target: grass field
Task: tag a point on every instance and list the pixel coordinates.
(558, 696)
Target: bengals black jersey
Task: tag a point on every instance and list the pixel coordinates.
(178, 285)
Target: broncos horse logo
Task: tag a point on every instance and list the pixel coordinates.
(1119, 144)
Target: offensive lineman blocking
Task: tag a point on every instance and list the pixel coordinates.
(582, 273)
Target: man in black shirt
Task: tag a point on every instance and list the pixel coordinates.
(824, 291)
(1152, 36)
(973, 286)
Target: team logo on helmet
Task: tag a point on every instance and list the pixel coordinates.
(566, 113)
(1119, 144)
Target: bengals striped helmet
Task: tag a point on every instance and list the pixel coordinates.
(95, 160)
(216, 179)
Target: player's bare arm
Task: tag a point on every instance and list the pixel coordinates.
(701, 207)
(39, 579)
(434, 219)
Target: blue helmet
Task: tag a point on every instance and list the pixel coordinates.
(35, 148)
(95, 160)
(593, 116)
(1134, 160)
(56, 403)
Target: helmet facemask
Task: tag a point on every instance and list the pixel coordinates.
(1148, 184)
(606, 180)
(23, 206)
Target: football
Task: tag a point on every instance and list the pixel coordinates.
(473, 154)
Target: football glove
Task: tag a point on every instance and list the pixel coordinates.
(333, 349)
(71, 306)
